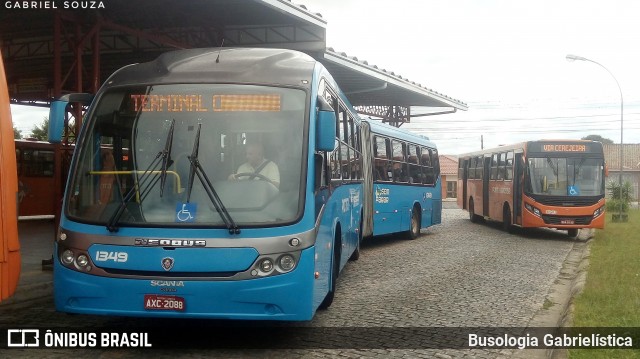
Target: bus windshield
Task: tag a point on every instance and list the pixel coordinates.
(137, 163)
(571, 176)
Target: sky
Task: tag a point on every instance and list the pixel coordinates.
(504, 59)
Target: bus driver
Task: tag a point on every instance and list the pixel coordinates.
(257, 165)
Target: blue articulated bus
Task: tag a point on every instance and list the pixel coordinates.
(407, 191)
(213, 183)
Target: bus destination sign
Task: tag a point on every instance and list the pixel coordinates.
(564, 148)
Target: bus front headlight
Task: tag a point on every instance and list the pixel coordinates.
(286, 262)
(533, 209)
(598, 212)
(67, 257)
(82, 260)
(266, 265)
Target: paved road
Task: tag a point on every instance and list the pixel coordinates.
(456, 274)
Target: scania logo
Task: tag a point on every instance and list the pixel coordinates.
(167, 263)
(167, 283)
(170, 242)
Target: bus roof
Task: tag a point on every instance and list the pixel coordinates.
(220, 65)
(520, 145)
(391, 131)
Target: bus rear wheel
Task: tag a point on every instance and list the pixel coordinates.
(414, 229)
(506, 219)
(472, 215)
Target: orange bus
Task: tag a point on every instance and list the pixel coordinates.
(549, 183)
(36, 182)
(9, 244)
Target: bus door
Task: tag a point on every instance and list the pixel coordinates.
(518, 182)
(465, 176)
(486, 174)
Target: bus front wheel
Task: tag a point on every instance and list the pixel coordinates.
(335, 269)
(356, 253)
(572, 232)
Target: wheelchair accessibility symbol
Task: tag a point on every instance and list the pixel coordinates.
(186, 212)
(573, 190)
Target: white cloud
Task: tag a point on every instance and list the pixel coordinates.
(507, 54)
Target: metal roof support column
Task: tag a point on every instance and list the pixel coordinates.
(57, 56)
(95, 47)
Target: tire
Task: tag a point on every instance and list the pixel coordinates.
(335, 270)
(472, 216)
(414, 227)
(506, 219)
(572, 232)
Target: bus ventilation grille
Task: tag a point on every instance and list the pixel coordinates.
(567, 201)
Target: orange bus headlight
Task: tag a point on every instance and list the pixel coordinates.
(533, 209)
(598, 212)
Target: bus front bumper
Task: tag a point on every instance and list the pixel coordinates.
(286, 297)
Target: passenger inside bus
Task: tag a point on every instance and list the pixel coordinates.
(257, 167)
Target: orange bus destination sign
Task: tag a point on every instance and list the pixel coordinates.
(564, 148)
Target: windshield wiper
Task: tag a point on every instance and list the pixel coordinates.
(143, 186)
(196, 170)
(166, 157)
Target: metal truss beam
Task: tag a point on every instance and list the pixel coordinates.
(393, 115)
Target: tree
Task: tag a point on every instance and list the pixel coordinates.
(605, 141)
(41, 132)
(17, 134)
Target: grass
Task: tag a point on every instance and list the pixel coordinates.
(611, 297)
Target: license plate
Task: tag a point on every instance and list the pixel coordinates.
(567, 221)
(163, 302)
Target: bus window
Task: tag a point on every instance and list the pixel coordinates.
(436, 164)
(334, 160)
(494, 166)
(471, 165)
(399, 166)
(509, 167)
(501, 165)
(415, 175)
(344, 161)
(479, 167)
(427, 166)
(381, 151)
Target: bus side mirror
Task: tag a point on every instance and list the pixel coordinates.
(326, 131)
(56, 120)
(606, 170)
(57, 113)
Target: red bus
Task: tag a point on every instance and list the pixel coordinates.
(36, 169)
(9, 244)
(549, 183)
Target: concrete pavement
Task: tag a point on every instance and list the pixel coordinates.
(36, 244)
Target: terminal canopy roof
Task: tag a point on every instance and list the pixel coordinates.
(368, 85)
(49, 52)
